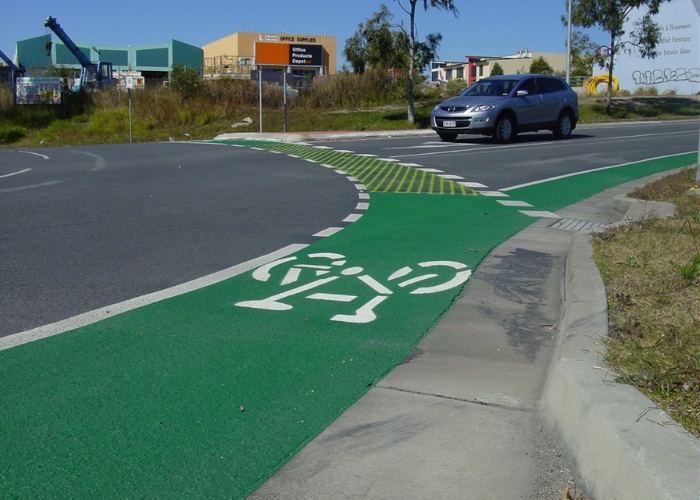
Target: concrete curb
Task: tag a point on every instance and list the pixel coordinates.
(623, 446)
(321, 136)
(634, 209)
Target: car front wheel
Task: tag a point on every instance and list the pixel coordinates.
(505, 130)
(564, 126)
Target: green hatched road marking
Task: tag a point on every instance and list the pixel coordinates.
(378, 176)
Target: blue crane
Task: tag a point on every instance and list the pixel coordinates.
(94, 75)
(15, 70)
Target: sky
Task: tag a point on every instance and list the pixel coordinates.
(482, 27)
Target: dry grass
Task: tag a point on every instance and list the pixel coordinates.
(651, 270)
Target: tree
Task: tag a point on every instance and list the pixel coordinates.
(584, 54)
(374, 44)
(540, 66)
(412, 44)
(611, 17)
(496, 70)
(187, 81)
(426, 52)
(378, 44)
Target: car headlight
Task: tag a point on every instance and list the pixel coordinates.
(479, 109)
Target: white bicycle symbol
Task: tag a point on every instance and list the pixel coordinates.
(325, 272)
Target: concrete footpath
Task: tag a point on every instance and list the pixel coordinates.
(517, 359)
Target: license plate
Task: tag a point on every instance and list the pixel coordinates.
(449, 123)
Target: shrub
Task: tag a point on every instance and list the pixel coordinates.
(12, 133)
(540, 66)
(646, 91)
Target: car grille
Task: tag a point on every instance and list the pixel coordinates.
(454, 109)
(461, 122)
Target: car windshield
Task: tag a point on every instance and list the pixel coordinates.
(490, 88)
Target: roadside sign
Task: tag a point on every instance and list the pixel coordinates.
(288, 54)
(35, 90)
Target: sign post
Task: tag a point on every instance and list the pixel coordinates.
(129, 86)
(260, 97)
(285, 56)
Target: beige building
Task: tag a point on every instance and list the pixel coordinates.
(239, 53)
(477, 67)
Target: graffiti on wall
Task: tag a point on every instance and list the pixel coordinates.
(666, 75)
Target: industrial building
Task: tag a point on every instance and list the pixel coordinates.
(152, 61)
(239, 53)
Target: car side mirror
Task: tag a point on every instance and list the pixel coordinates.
(522, 93)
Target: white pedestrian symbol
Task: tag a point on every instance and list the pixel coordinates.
(332, 270)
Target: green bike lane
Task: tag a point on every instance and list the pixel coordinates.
(207, 394)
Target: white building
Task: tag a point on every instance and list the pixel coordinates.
(474, 68)
(677, 67)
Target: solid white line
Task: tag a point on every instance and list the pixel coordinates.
(43, 184)
(15, 173)
(100, 162)
(588, 171)
(88, 318)
(35, 154)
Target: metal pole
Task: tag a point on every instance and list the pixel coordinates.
(568, 46)
(260, 95)
(130, 127)
(284, 88)
(697, 173)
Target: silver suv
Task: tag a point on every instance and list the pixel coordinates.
(502, 106)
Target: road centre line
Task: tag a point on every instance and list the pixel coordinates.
(15, 173)
(537, 144)
(102, 313)
(452, 151)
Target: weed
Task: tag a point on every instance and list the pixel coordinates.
(689, 272)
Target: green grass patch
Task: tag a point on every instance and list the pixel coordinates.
(651, 271)
(593, 110)
(346, 102)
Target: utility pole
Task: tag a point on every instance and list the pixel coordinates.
(568, 46)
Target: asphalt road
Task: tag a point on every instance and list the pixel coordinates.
(85, 227)
(89, 226)
(535, 156)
